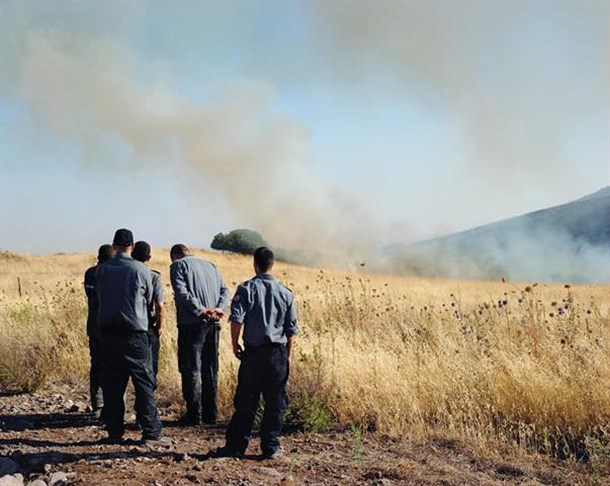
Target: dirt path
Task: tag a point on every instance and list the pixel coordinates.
(48, 437)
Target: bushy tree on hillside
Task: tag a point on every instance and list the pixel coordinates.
(243, 241)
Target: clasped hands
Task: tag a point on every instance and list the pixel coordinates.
(214, 314)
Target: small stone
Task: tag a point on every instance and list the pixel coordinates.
(58, 479)
(11, 480)
(287, 481)
(8, 466)
(68, 405)
(47, 468)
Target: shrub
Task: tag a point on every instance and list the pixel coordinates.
(243, 241)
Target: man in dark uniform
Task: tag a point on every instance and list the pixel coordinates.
(266, 311)
(124, 291)
(104, 253)
(201, 298)
(141, 252)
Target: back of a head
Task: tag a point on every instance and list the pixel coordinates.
(141, 251)
(178, 251)
(123, 238)
(105, 253)
(263, 258)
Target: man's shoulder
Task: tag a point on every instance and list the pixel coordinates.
(131, 264)
(284, 290)
(90, 272)
(156, 273)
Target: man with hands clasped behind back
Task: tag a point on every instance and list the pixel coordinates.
(201, 299)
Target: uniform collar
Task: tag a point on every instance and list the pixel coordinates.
(266, 276)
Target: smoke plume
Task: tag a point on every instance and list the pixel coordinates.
(514, 101)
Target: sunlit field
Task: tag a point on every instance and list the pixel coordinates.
(520, 364)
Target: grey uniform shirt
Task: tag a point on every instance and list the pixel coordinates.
(158, 296)
(266, 309)
(197, 285)
(124, 293)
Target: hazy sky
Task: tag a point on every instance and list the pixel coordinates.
(318, 123)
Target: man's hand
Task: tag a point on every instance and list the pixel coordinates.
(215, 314)
(238, 350)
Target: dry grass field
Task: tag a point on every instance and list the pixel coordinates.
(524, 365)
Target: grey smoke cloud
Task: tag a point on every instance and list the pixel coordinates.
(515, 99)
(518, 77)
(84, 88)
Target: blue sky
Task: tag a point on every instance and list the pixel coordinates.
(347, 124)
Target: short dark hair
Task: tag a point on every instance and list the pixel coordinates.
(178, 250)
(123, 237)
(263, 258)
(105, 253)
(141, 251)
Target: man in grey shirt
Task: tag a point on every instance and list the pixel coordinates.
(124, 292)
(201, 299)
(266, 312)
(142, 252)
(104, 253)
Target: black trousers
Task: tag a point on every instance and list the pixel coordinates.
(155, 345)
(125, 355)
(198, 365)
(95, 373)
(262, 370)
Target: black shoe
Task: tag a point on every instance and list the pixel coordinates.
(271, 455)
(225, 451)
(112, 440)
(188, 421)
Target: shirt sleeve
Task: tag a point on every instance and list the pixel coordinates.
(290, 324)
(148, 290)
(89, 283)
(182, 293)
(224, 294)
(239, 305)
(158, 293)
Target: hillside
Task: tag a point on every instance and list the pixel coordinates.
(569, 242)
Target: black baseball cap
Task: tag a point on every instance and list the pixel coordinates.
(141, 251)
(123, 237)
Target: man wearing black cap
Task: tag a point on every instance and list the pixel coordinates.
(201, 298)
(104, 253)
(141, 252)
(124, 291)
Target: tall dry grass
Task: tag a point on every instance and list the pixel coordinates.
(523, 364)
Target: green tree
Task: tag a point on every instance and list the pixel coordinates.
(243, 241)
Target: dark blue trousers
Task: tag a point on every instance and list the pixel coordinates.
(95, 373)
(124, 355)
(198, 365)
(263, 370)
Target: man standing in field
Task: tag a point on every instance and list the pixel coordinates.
(104, 253)
(141, 253)
(124, 291)
(266, 311)
(201, 298)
